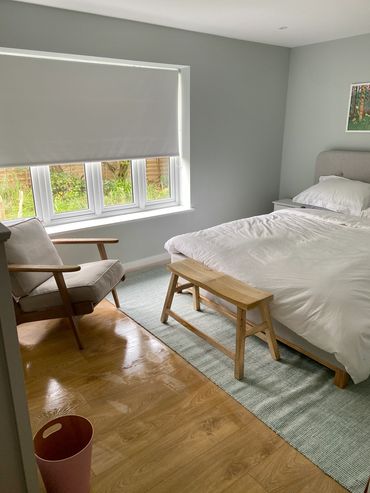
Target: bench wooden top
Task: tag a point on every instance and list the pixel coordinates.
(226, 287)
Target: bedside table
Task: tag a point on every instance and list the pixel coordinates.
(289, 204)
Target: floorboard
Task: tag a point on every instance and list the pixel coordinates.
(160, 425)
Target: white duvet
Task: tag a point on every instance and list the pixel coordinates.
(317, 265)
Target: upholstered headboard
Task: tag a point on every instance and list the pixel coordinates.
(350, 164)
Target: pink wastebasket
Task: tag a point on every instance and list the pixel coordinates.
(63, 452)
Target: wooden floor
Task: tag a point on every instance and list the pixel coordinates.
(160, 425)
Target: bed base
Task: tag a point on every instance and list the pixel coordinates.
(341, 377)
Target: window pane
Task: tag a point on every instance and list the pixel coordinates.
(117, 182)
(68, 186)
(16, 195)
(158, 178)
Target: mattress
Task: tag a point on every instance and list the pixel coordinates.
(317, 265)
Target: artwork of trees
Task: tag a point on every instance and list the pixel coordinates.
(359, 108)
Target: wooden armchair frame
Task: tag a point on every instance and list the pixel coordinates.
(68, 309)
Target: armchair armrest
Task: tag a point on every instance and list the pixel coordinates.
(43, 268)
(99, 242)
(71, 241)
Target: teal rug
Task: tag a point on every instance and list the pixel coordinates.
(294, 397)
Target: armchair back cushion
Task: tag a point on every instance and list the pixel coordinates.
(29, 243)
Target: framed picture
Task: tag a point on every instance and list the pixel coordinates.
(358, 118)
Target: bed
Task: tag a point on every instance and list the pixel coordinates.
(315, 262)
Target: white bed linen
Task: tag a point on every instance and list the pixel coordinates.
(317, 265)
(337, 193)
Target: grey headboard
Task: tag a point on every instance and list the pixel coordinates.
(350, 164)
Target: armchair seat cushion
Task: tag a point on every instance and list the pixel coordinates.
(92, 283)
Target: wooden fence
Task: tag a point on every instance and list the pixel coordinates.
(156, 168)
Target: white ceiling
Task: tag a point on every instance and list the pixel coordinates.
(307, 21)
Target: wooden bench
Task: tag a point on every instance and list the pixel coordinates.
(238, 293)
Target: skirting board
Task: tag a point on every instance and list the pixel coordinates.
(145, 263)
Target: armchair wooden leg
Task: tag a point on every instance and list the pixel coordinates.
(115, 297)
(59, 279)
(74, 327)
(104, 256)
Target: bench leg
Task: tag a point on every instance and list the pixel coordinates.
(196, 299)
(270, 333)
(239, 345)
(169, 297)
(180, 288)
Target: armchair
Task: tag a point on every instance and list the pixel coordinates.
(43, 288)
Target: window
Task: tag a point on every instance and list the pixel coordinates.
(117, 183)
(158, 184)
(68, 187)
(73, 166)
(59, 193)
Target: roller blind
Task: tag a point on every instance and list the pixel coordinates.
(54, 111)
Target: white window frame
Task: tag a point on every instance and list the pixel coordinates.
(43, 198)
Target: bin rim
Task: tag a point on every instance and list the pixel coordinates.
(50, 423)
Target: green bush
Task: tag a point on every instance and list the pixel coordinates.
(69, 191)
(117, 191)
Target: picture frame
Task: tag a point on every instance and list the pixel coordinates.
(358, 114)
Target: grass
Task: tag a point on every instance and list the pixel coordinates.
(10, 198)
(11, 188)
(157, 192)
(117, 191)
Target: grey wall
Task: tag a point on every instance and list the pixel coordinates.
(11, 465)
(238, 92)
(318, 93)
(17, 462)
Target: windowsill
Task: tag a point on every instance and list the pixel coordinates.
(108, 221)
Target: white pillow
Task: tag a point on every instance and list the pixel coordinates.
(329, 177)
(337, 194)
